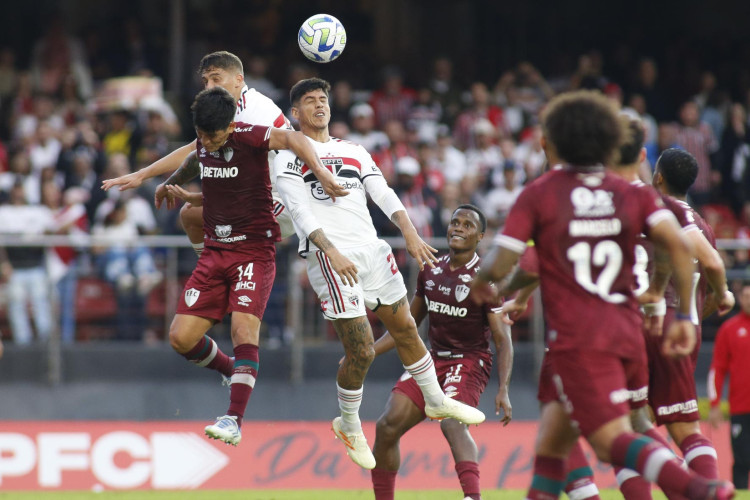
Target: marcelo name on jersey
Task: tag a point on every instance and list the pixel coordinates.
(439, 307)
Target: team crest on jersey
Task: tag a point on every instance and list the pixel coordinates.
(429, 284)
(437, 270)
(354, 300)
(191, 296)
(465, 278)
(228, 153)
(462, 291)
(333, 164)
(223, 231)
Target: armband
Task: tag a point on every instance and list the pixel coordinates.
(655, 308)
(682, 316)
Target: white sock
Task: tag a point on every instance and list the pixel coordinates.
(424, 375)
(349, 403)
(198, 248)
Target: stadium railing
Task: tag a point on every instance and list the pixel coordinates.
(296, 316)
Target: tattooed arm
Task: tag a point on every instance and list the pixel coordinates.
(189, 170)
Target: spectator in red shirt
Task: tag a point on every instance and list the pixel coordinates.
(731, 352)
(392, 101)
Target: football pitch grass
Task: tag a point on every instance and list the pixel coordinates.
(288, 495)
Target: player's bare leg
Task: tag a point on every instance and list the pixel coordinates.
(418, 362)
(400, 415)
(192, 222)
(356, 337)
(465, 455)
(697, 449)
(245, 336)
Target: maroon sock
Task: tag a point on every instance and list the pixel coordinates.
(656, 464)
(207, 353)
(632, 485)
(548, 480)
(468, 476)
(383, 483)
(580, 476)
(243, 379)
(700, 455)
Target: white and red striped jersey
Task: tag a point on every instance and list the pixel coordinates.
(346, 222)
(256, 109)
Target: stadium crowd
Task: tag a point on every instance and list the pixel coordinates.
(67, 122)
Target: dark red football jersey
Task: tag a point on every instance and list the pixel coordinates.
(644, 251)
(457, 323)
(585, 225)
(700, 282)
(237, 203)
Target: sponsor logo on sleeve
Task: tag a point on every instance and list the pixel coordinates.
(244, 300)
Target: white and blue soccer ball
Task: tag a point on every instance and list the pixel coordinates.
(322, 38)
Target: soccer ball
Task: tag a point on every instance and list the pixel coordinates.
(322, 38)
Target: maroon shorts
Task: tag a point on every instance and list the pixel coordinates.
(548, 392)
(671, 384)
(463, 378)
(225, 281)
(595, 386)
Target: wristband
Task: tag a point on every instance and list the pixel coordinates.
(655, 308)
(682, 316)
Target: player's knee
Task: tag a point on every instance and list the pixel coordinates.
(601, 450)
(177, 341)
(405, 329)
(387, 430)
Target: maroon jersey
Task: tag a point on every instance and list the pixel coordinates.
(585, 226)
(457, 323)
(644, 250)
(237, 203)
(700, 282)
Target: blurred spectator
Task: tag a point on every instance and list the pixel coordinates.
(8, 72)
(43, 108)
(588, 74)
(256, 77)
(734, 159)
(533, 89)
(25, 270)
(636, 106)
(421, 203)
(481, 159)
(450, 160)
(56, 56)
(138, 210)
(425, 115)
(531, 155)
(509, 150)
(392, 101)
(128, 266)
(429, 169)
(44, 149)
(342, 101)
(696, 137)
(480, 110)
(707, 87)
(68, 218)
(398, 147)
(499, 200)
(363, 129)
(445, 90)
(716, 110)
(122, 135)
(646, 84)
(339, 129)
(20, 174)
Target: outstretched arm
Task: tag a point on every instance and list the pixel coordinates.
(300, 145)
(415, 245)
(189, 170)
(167, 164)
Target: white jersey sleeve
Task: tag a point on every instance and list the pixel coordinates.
(257, 109)
(293, 193)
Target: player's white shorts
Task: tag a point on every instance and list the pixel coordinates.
(380, 282)
(283, 217)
